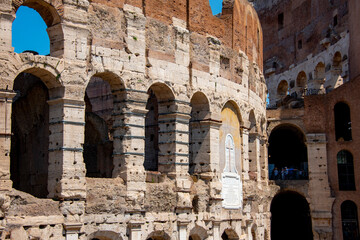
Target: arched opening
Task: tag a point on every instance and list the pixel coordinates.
(287, 154)
(158, 235)
(342, 122)
(254, 148)
(229, 234)
(199, 134)
(282, 89)
(320, 71)
(301, 82)
(198, 233)
(336, 71)
(230, 160)
(216, 7)
(29, 154)
(349, 220)
(104, 97)
(290, 217)
(29, 25)
(105, 235)
(337, 62)
(345, 166)
(160, 129)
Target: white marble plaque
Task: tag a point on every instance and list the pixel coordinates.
(231, 190)
(231, 181)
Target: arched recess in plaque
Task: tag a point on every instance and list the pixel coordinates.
(231, 180)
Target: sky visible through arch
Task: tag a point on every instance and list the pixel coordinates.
(29, 30)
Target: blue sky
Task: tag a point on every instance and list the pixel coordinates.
(29, 30)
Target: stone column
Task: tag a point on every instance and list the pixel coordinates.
(216, 229)
(183, 229)
(6, 20)
(129, 140)
(264, 160)
(254, 156)
(245, 154)
(66, 176)
(174, 138)
(72, 230)
(319, 188)
(135, 230)
(5, 138)
(215, 184)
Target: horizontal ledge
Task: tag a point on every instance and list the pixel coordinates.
(128, 153)
(129, 125)
(130, 101)
(170, 113)
(68, 122)
(174, 154)
(176, 163)
(128, 90)
(129, 113)
(177, 142)
(173, 121)
(129, 136)
(175, 131)
(66, 149)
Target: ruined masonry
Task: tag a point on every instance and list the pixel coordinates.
(146, 121)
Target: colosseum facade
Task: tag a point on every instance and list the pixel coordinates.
(146, 121)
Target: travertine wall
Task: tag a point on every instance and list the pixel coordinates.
(175, 51)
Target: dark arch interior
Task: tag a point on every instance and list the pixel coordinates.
(288, 152)
(349, 219)
(290, 217)
(98, 145)
(30, 139)
(342, 122)
(152, 133)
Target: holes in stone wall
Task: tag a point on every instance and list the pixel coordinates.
(199, 137)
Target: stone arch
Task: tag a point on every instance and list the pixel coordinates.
(301, 80)
(29, 153)
(158, 235)
(198, 233)
(53, 19)
(48, 75)
(290, 213)
(287, 140)
(282, 89)
(320, 71)
(199, 137)
(105, 100)
(105, 235)
(231, 165)
(337, 60)
(159, 146)
(229, 234)
(254, 148)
